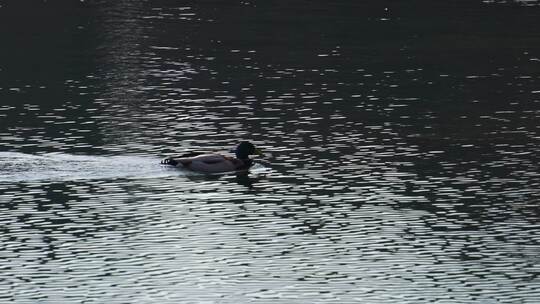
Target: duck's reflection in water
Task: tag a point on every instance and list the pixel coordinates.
(242, 178)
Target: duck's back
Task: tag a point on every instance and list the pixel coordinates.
(211, 163)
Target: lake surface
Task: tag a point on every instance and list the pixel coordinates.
(401, 150)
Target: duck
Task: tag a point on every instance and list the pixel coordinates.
(216, 163)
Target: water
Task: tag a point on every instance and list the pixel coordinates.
(401, 152)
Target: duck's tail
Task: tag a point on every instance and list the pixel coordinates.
(170, 162)
(181, 160)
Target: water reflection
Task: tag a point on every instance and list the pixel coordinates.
(244, 180)
(401, 160)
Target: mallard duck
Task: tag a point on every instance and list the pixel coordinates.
(216, 163)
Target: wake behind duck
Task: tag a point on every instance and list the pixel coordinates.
(22, 167)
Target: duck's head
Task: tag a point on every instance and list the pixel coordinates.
(245, 149)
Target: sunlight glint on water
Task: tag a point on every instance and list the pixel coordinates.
(401, 152)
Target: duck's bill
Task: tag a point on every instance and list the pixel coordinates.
(258, 152)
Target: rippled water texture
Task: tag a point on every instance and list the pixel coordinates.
(401, 151)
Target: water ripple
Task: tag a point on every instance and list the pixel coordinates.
(400, 166)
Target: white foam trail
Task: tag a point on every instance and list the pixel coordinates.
(20, 167)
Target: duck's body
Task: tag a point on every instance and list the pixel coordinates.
(215, 163)
(209, 163)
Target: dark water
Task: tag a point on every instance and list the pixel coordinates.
(401, 149)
